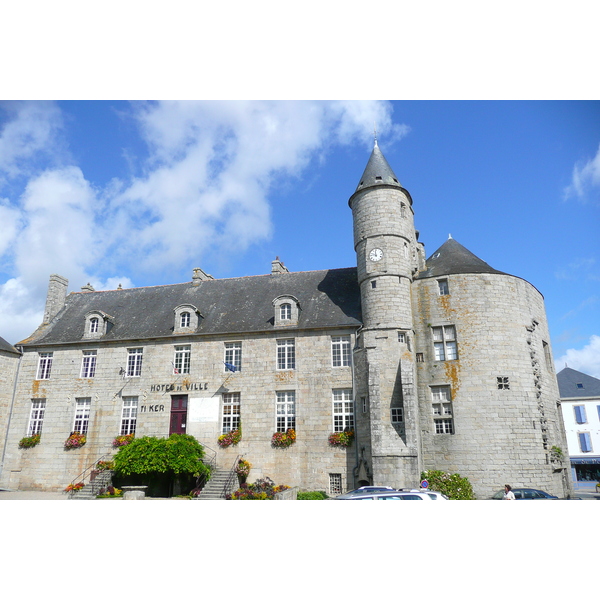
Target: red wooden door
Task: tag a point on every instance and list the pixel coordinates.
(178, 414)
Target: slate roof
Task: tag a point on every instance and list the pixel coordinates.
(452, 258)
(329, 298)
(6, 347)
(568, 379)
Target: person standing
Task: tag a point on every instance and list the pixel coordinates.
(508, 494)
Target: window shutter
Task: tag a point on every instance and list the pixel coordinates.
(580, 414)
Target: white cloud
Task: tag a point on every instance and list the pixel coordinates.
(586, 179)
(31, 130)
(586, 360)
(203, 191)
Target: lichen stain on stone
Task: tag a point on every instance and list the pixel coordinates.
(452, 369)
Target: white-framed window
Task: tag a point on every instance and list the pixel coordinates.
(503, 383)
(286, 354)
(441, 402)
(185, 319)
(580, 415)
(36, 416)
(285, 311)
(233, 355)
(230, 419)
(129, 415)
(181, 362)
(134, 362)
(444, 342)
(340, 351)
(585, 441)
(397, 414)
(343, 410)
(443, 288)
(82, 415)
(335, 484)
(44, 365)
(94, 325)
(285, 410)
(88, 364)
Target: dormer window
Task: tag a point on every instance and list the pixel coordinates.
(97, 324)
(187, 319)
(287, 311)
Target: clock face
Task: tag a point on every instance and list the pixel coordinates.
(376, 254)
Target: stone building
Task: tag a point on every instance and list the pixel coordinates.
(580, 403)
(9, 362)
(442, 363)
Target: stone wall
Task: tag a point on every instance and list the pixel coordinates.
(500, 435)
(306, 464)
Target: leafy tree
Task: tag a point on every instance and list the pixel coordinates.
(149, 460)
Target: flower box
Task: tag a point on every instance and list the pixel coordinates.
(341, 439)
(75, 440)
(282, 439)
(231, 438)
(30, 441)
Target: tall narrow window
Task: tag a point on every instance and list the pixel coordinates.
(580, 416)
(82, 415)
(88, 364)
(340, 351)
(231, 412)
(443, 288)
(343, 410)
(286, 410)
(181, 364)
(442, 409)
(44, 365)
(285, 312)
(444, 342)
(129, 415)
(36, 417)
(286, 354)
(585, 442)
(185, 319)
(134, 362)
(233, 355)
(94, 325)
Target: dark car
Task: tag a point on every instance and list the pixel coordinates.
(525, 494)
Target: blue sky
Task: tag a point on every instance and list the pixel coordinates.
(140, 193)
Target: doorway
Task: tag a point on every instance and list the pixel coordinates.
(178, 414)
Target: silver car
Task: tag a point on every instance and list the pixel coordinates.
(388, 496)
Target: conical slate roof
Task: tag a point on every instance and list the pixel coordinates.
(377, 172)
(574, 384)
(452, 258)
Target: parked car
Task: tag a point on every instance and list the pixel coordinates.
(432, 494)
(525, 494)
(393, 495)
(366, 489)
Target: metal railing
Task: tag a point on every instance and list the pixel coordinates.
(231, 477)
(86, 474)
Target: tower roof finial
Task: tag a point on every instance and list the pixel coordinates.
(375, 133)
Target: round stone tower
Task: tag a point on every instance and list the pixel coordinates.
(387, 255)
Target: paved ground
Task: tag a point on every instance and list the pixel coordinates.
(10, 495)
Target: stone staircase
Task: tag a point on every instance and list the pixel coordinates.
(215, 488)
(92, 489)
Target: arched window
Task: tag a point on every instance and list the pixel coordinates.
(94, 324)
(286, 312)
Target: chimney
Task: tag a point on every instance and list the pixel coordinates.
(278, 267)
(199, 275)
(57, 294)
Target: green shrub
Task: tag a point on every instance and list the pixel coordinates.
(452, 485)
(312, 496)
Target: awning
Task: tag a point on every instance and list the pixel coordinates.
(585, 460)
